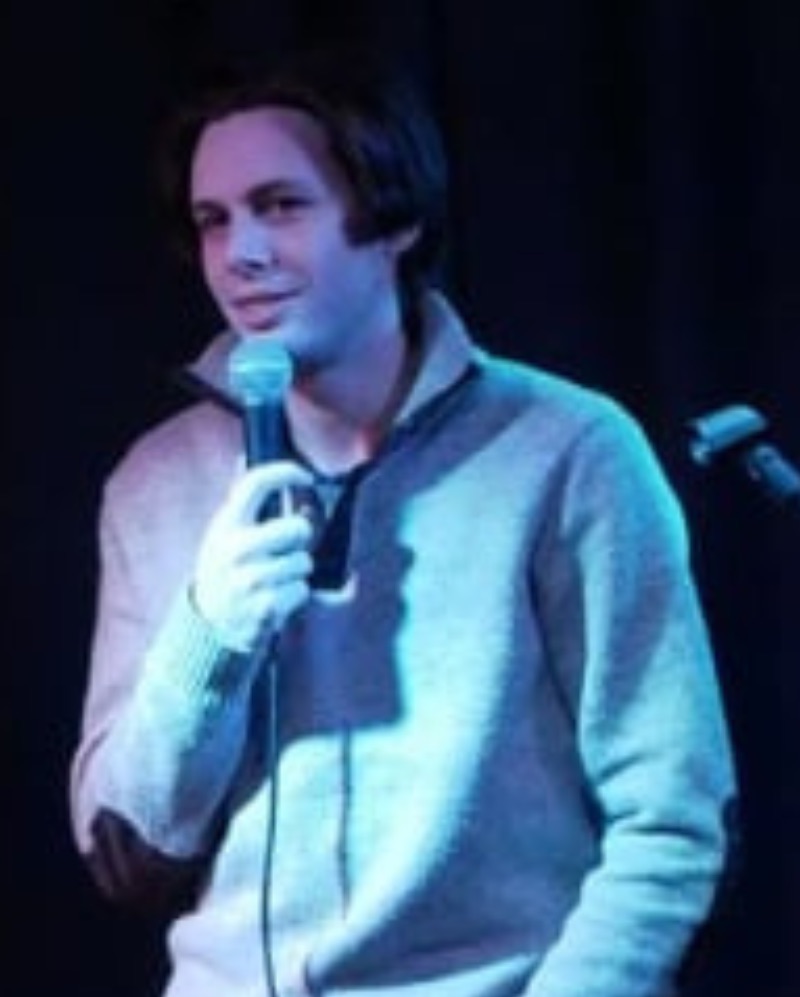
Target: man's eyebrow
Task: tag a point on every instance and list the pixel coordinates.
(203, 204)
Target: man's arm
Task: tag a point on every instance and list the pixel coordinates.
(628, 641)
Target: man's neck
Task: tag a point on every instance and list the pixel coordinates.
(339, 418)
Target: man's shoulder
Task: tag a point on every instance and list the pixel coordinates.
(193, 437)
(546, 394)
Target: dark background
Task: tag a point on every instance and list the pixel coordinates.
(626, 206)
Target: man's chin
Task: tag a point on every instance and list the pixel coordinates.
(274, 328)
(259, 332)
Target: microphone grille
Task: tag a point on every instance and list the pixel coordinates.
(259, 370)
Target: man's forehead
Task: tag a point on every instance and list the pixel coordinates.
(264, 145)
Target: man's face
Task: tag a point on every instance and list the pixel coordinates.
(271, 207)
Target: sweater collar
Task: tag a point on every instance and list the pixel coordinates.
(447, 355)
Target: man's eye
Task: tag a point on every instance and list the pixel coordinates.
(208, 222)
(284, 207)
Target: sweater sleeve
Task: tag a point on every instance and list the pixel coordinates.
(165, 715)
(627, 640)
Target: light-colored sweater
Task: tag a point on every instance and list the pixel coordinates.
(503, 761)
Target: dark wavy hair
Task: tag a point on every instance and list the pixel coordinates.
(379, 132)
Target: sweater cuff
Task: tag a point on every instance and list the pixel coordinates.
(188, 656)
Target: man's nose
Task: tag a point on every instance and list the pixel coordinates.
(251, 245)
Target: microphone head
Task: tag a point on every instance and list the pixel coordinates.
(724, 431)
(259, 371)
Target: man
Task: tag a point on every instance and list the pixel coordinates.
(462, 739)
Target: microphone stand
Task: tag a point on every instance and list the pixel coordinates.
(736, 435)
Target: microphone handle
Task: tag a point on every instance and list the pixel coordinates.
(263, 442)
(262, 433)
(773, 472)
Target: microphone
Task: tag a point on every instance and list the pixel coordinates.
(259, 374)
(738, 432)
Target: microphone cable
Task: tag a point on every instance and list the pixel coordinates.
(272, 749)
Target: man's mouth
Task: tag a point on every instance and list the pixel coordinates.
(262, 310)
